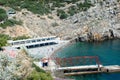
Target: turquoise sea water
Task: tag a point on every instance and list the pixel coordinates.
(108, 52)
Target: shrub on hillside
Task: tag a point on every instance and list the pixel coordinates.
(35, 6)
(10, 22)
(38, 74)
(37, 68)
(3, 39)
(84, 6)
(3, 15)
(72, 10)
(58, 4)
(62, 14)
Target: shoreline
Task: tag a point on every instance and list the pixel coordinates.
(54, 52)
(73, 41)
(52, 66)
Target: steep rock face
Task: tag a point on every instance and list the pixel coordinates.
(101, 21)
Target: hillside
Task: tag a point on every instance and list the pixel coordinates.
(79, 20)
(68, 19)
(17, 65)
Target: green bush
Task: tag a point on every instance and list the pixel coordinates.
(2, 2)
(37, 68)
(61, 14)
(72, 10)
(10, 22)
(84, 6)
(58, 4)
(3, 15)
(3, 39)
(38, 74)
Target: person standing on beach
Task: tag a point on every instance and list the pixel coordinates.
(45, 62)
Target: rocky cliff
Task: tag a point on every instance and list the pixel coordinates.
(101, 21)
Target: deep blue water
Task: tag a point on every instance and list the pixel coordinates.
(108, 52)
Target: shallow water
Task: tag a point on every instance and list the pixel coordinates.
(108, 52)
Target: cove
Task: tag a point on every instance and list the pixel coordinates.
(107, 51)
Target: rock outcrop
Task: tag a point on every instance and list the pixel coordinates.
(14, 68)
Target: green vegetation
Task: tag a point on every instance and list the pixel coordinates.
(62, 14)
(3, 39)
(37, 68)
(10, 22)
(3, 15)
(80, 7)
(45, 6)
(72, 10)
(58, 4)
(84, 6)
(35, 6)
(21, 37)
(39, 74)
(7, 22)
